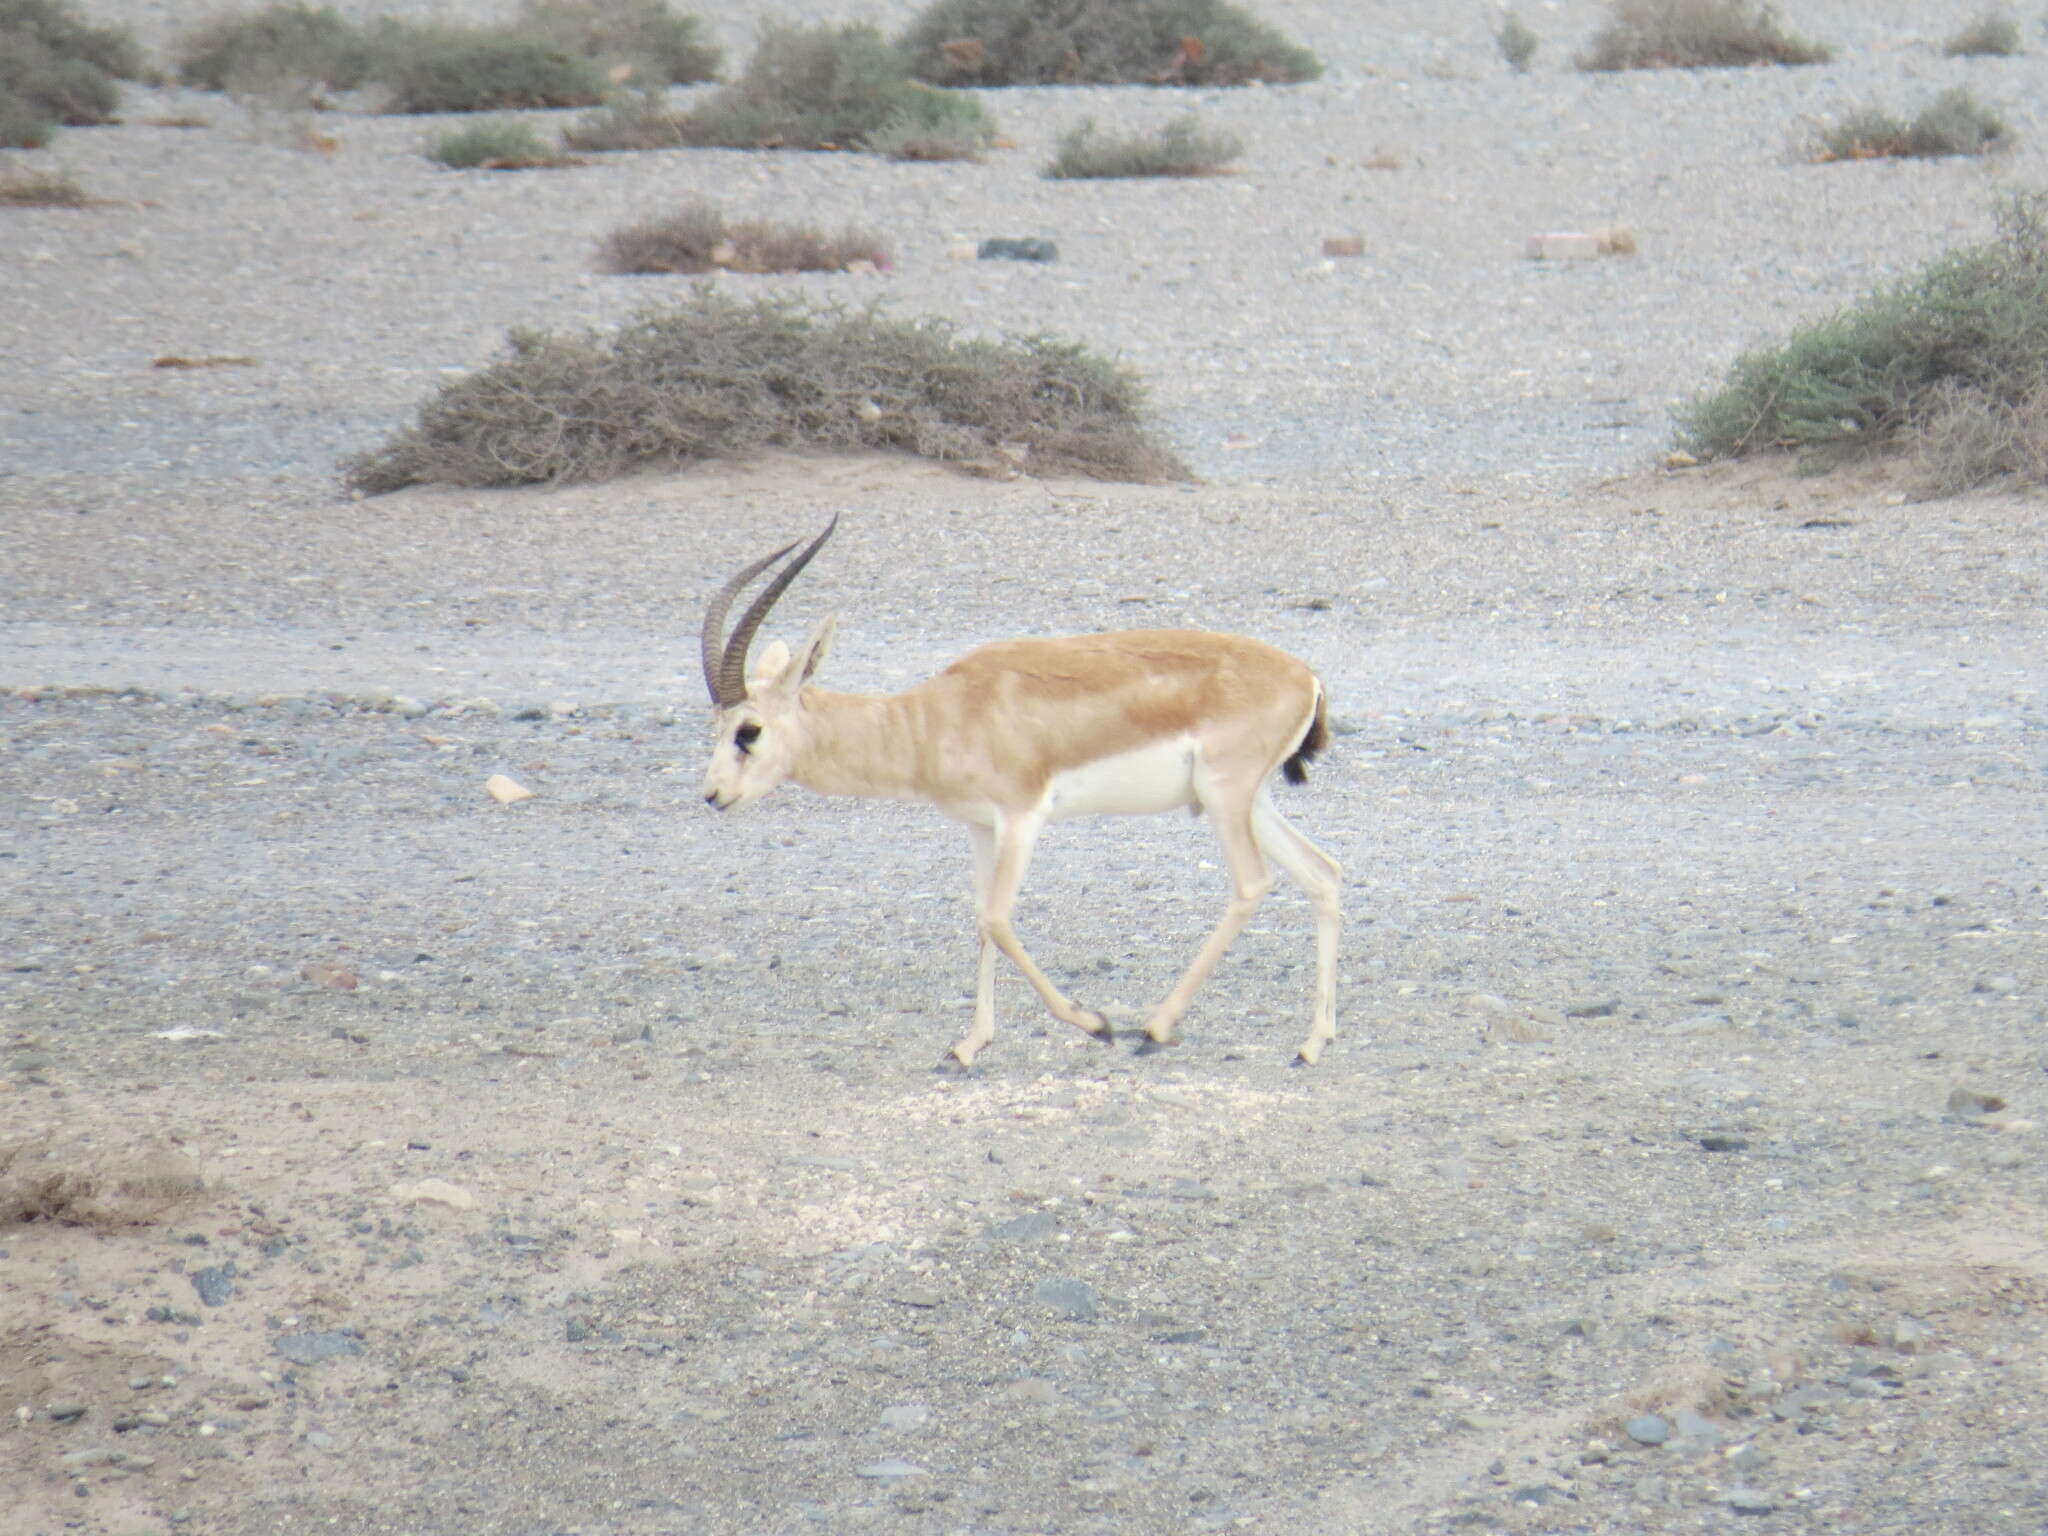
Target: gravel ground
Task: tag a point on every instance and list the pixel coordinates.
(575, 1165)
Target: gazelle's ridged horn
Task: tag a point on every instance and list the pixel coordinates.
(714, 622)
(729, 685)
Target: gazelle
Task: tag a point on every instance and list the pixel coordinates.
(1023, 732)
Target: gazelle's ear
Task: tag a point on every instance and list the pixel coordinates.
(768, 666)
(809, 657)
(816, 649)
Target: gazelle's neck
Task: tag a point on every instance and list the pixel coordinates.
(858, 744)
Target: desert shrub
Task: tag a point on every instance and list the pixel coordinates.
(32, 189)
(1099, 42)
(656, 43)
(1956, 123)
(21, 125)
(111, 50)
(715, 377)
(50, 88)
(931, 124)
(279, 42)
(1962, 437)
(636, 120)
(79, 1184)
(1516, 42)
(699, 238)
(817, 88)
(460, 70)
(1694, 34)
(1967, 333)
(55, 69)
(1181, 148)
(1993, 32)
(498, 144)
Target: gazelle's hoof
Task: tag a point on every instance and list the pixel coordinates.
(950, 1065)
(1148, 1046)
(1095, 1025)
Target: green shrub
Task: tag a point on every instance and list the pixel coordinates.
(54, 88)
(113, 51)
(1969, 331)
(56, 69)
(298, 42)
(31, 189)
(22, 126)
(1694, 34)
(1099, 42)
(658, 45)
(1994, 32)
(931, 124)
(1956, 123)
(449, 70)
(716, 378)
(1181, 148)
(499, 144)
(699, 238)
(636, 120)
(1516, 42)
(817, 88)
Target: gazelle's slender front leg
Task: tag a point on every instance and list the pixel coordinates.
(1249, 882)
(1006, 850)
(983, 840)
(1319, 875)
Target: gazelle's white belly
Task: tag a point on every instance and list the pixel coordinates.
(1159, 777)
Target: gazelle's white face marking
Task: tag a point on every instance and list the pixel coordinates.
(1159, 776)
(749, 756)
(755, 744)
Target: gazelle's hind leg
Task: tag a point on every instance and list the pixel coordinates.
(1249, 883)
(1001, 859)
(1319, 875)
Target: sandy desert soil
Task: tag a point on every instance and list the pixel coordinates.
(577, 1164)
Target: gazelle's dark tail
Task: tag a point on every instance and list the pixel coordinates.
(1313, 740)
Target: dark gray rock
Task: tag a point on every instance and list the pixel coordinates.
(311, 1348)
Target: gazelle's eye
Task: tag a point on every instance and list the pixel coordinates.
(748, 733)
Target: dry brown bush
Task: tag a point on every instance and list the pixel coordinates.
(47, 189)
(720, 378)
(75, 1183)
(698, 238)
(1966, 437)
(1694, 34)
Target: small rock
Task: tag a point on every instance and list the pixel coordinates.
(1997, 986)
(906, 1416)
(1968, 1102)
(1647, 1429)
(506, 790)
(1022, 248)
(1031, 1227)
(1343, 245)
(1074, 1300)
(92, 1456)
(65, 1413)
(1606, 1008)
(1719, 1142)
(215, 1284)
(338, 978)
(1747, 1501)
(434, 1192)
(1909, 1335)
(311, 1348)
(889, 1469)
